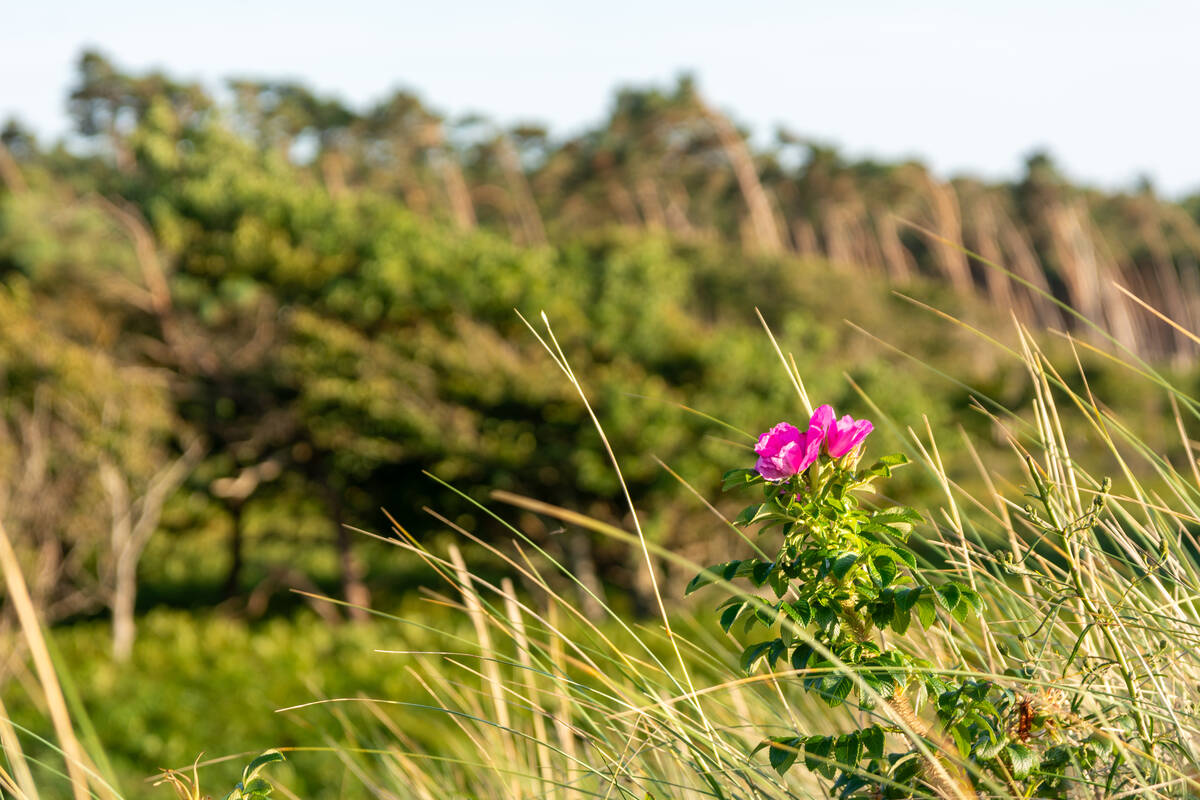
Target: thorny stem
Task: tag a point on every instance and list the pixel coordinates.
(1095, 612)
(946, 786)
(1127, 674)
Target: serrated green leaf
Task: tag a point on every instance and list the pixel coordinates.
(801, 655)
(259, 787)
(1022, 759)
(885, 568)
(883, 530)
(798, 611)
(872, 740)
(837, 689)
(898, 514)
(926, 611)
(960, 741)
(906, 598)
(843, 564)
(752, 654)
(739, 477)
(847, 749)
(825, 616)
(782, 753)
(816, 754)
(948, 596)
(987, 748)
(711, 574)
(267, 757)
(730, 615)
(974, 599)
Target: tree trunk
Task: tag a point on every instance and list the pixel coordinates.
(124, 604)
(10, 173)
(133, 521)
(462, 211)
(533, 232)
(354, 589)
(578, 547)
(758, 204)
(648, 200)
(621, 202)
(333, 173)
(947, 223)
(234, 578)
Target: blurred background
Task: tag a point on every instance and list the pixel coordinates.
(260, 263)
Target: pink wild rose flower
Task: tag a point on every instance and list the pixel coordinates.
(785, 451)
(821, 420)
(846, 434)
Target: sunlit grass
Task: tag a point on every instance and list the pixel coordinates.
(526, 696)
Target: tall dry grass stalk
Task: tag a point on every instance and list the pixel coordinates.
(1103, 614)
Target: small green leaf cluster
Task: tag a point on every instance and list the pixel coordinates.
(252, 786)
(843, 575)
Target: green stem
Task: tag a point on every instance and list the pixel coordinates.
(1123, 665)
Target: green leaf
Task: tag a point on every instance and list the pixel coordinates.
(779, 583)
(712, 574)
(801, 655)
(872, 739)
(267, 757)
(974, 599)
(739, 477)
(885, 567)
(778, 649)
(898, 514)
(825, 616)
(258, 786)
(960, 741)
(783, 752)
(798, 611)
(843, 565)
(885, 530)
(907, 597)
(1022, 758)
(926, 612)
(753, 653)
(948, 596)
(748, 515)
(883, 467)
(848, 749)
(730, 615)
(837, 692)
(816, 755)
(987, 748)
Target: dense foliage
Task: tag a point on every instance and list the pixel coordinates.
(230, 332)
(319, 349)
(845, 573)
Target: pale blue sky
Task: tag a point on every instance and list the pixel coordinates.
(1109, 88)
